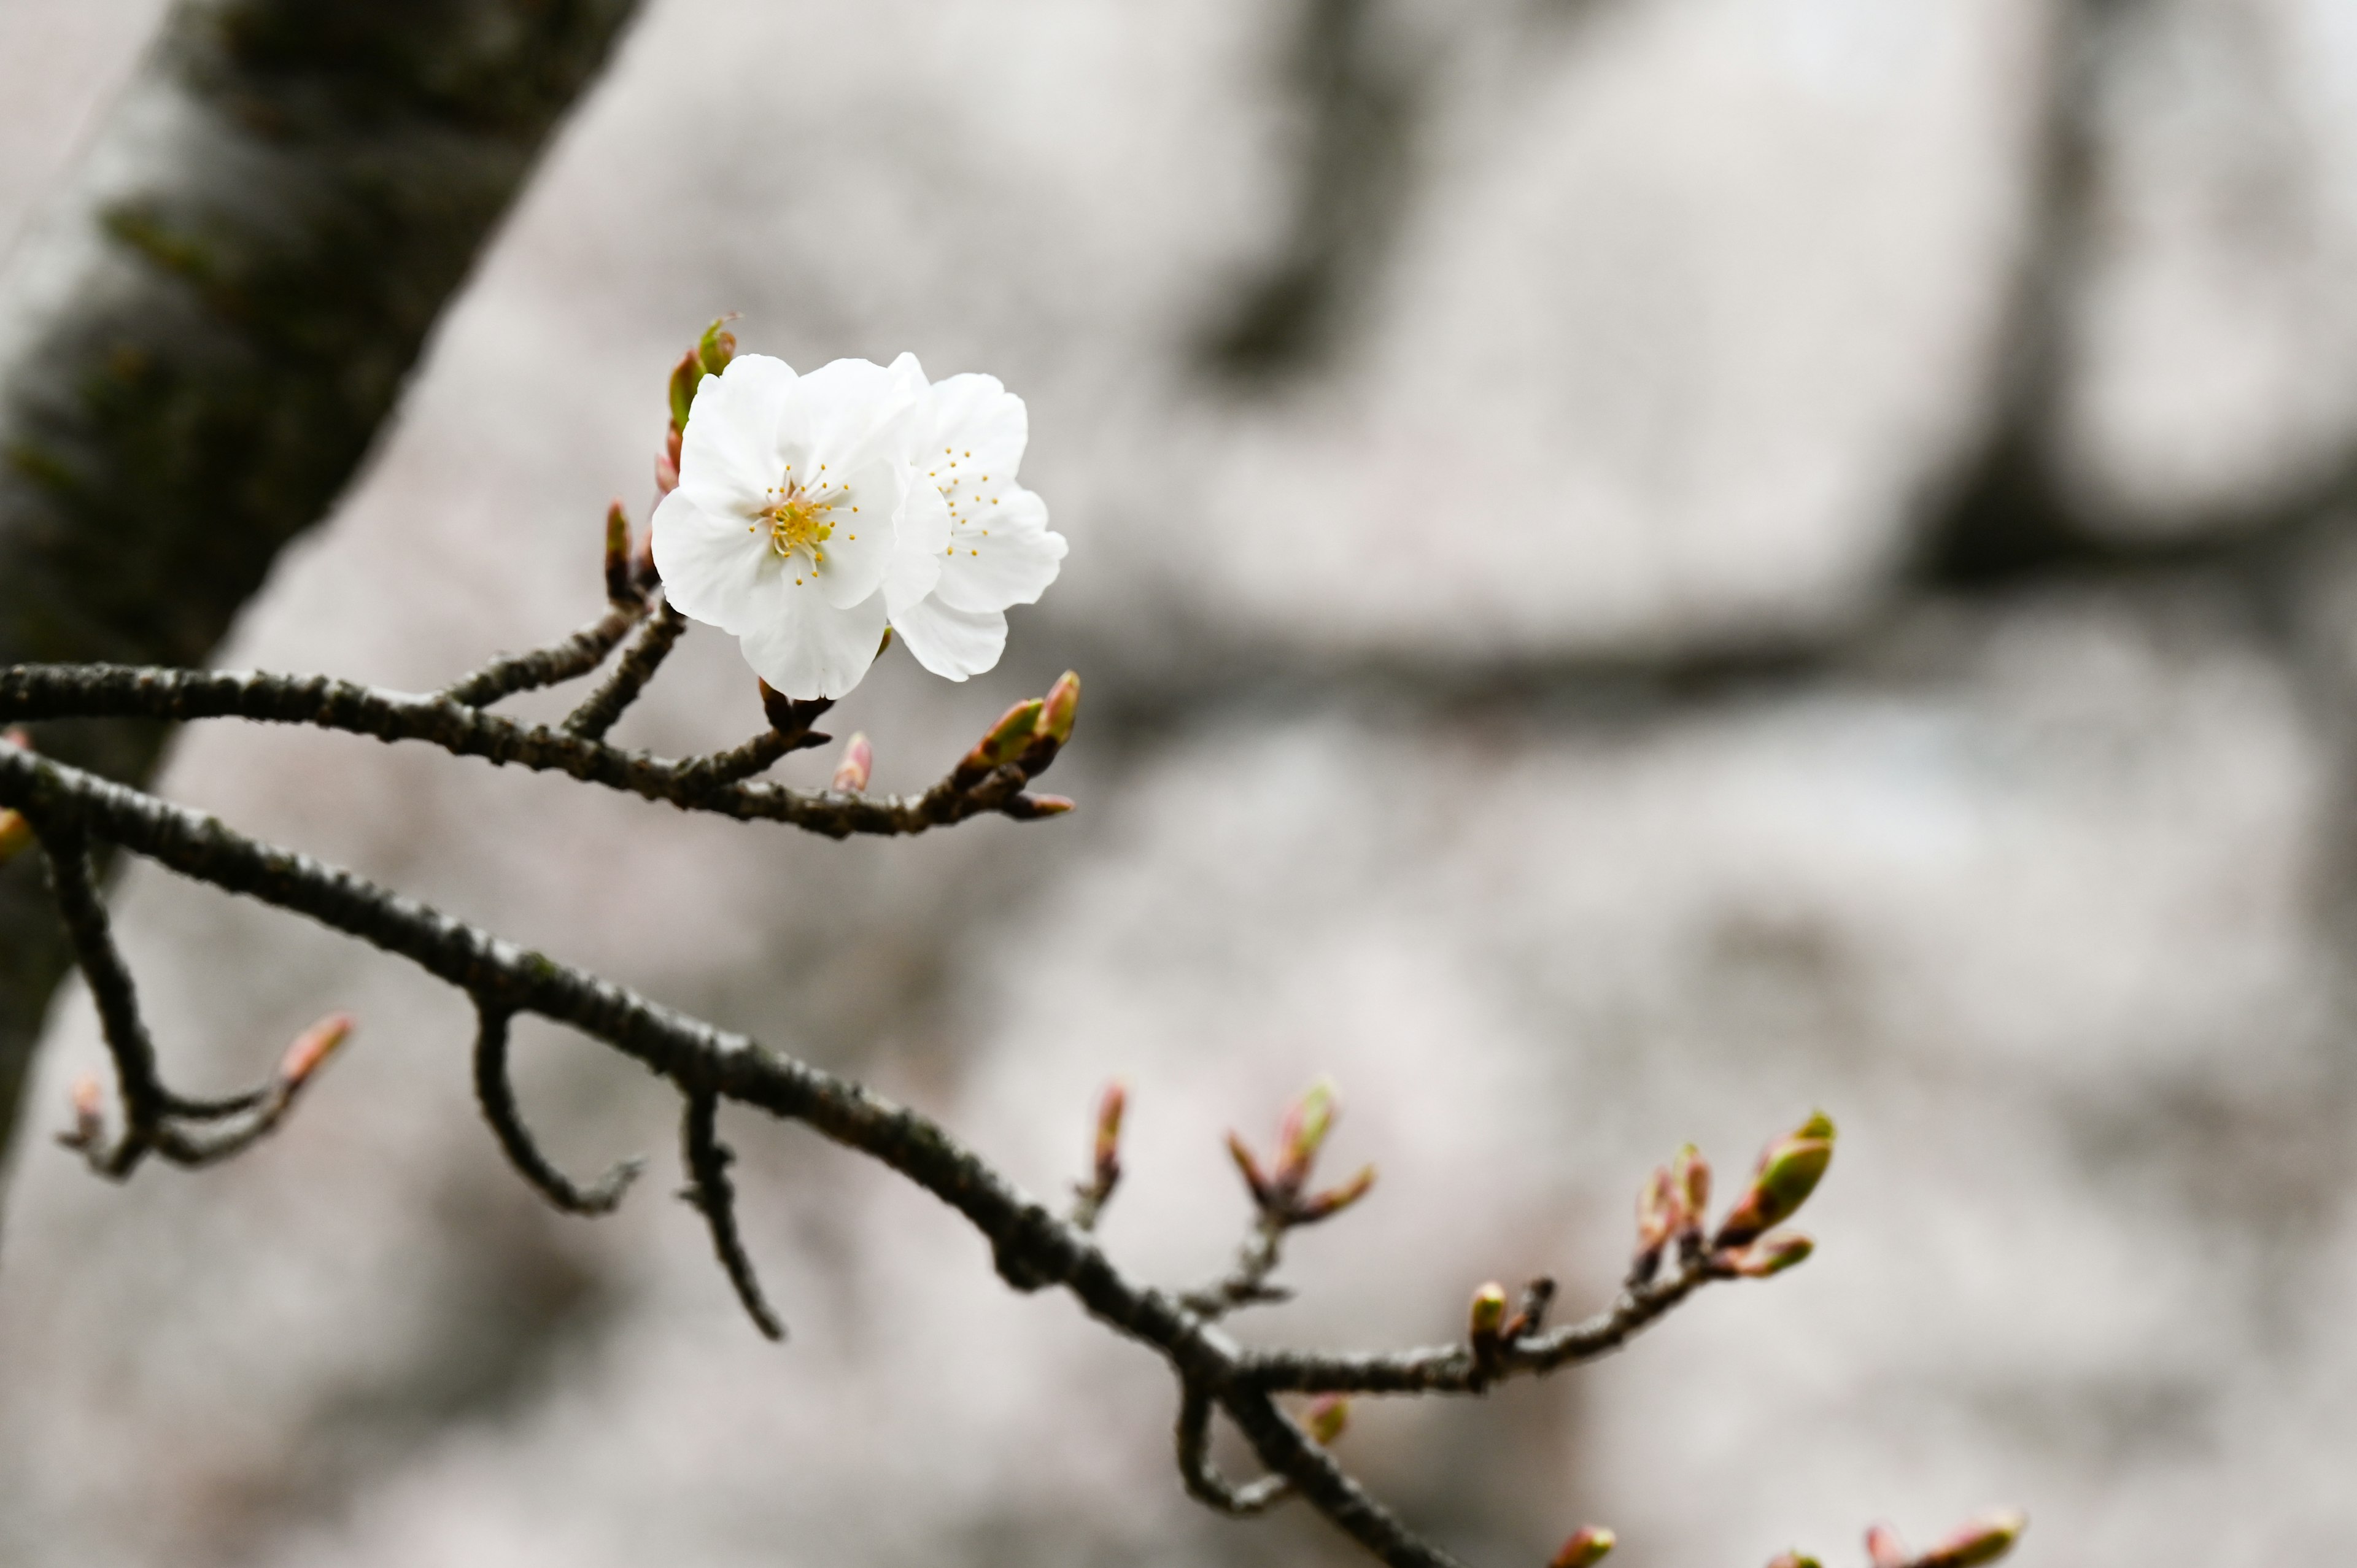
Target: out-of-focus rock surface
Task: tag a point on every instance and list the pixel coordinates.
(1675, 312)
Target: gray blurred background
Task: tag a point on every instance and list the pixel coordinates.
(1640, 566)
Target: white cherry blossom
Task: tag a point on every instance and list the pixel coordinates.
(791, 513)
(987, 535)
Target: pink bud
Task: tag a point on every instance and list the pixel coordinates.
(1334, 1199)
(1884, 1548)
(1264, 1196)
(1328, 1419)
(1985, 1539)
(1108, 1147)
(858, 757)
(312, 1048)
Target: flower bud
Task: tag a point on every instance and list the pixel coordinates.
(685, 377)
(1334, 1199)
(1108, 1145)
(16, 834)
(1794, 1559)
(1061, 707)
(1586, 1548)
(1769, 1255)
(1031, 808)
(858, 757)
(1303, 1132)
(1789, 1172)
(1690, 1174)
(1985, 1539)
(1264, 1196)
(312, 1048)
(667, 465)
(88, 1101)
(618, 554)
(1884, 1548)
(1328, 1419)
(1488, 1315)
(1657, 1210)
(1002, 743)
(716, 347)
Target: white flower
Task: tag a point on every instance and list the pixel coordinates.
(792, 511)
(987, 535)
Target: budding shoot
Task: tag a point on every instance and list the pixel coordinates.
(858, 757)
(1588, 1546)
(312, 1048)
(1985, 1539)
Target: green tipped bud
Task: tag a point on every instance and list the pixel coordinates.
(1328, 1419)
(1585, 1549)
(1795, 1560)
(1062, 705)
(858, 759)
(1488, 1315)
(1002, 743)
(1334, 1199)
(1789, 1172)
(1303, 1132)
(16, 834)
(1985, 1539)
(716, 347)
(1769, 1255)
(685, 377)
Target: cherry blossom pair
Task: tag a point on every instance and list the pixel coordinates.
(812, 511)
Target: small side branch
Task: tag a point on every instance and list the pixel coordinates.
(712, 1193)
(1204, 1482)
(558, 662)
(604, 706)
(497, 1097)
(145, 1101)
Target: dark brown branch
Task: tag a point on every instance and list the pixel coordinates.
(53, 691)
(1031, 1247)
(111, 990)
(716, 1197)
(604, 707)
(497, 1097)
(1202, 1478)
(551, 666)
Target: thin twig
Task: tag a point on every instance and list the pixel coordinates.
(111, 990)
(105, 691)
(716, 1197)
(497, 1097)
(1031, 1247)
(604, 706)
(558, 662)
(1202, 1478)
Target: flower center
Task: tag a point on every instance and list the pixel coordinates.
(798, 520)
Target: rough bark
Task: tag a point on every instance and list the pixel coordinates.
(200, 343)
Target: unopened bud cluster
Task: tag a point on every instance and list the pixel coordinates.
(1280, 1189)
(1673, 1207)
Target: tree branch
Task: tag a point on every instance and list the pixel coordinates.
(497, 1098)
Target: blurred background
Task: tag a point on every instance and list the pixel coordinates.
(1640, 566)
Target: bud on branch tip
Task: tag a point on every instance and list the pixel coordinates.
(1790, 1169)
(312, 1048)
(1061, 707)
(1588, 1547)
(1985, 1539)
(858, 758)
(1109, 1113)
(1488, 1314)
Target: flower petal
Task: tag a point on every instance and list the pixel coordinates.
(921, 542)
(714, 568)
(975, 422)
(811, 648)
(860, 549)
(1005, 556)
(951, 642)
(724, 457)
